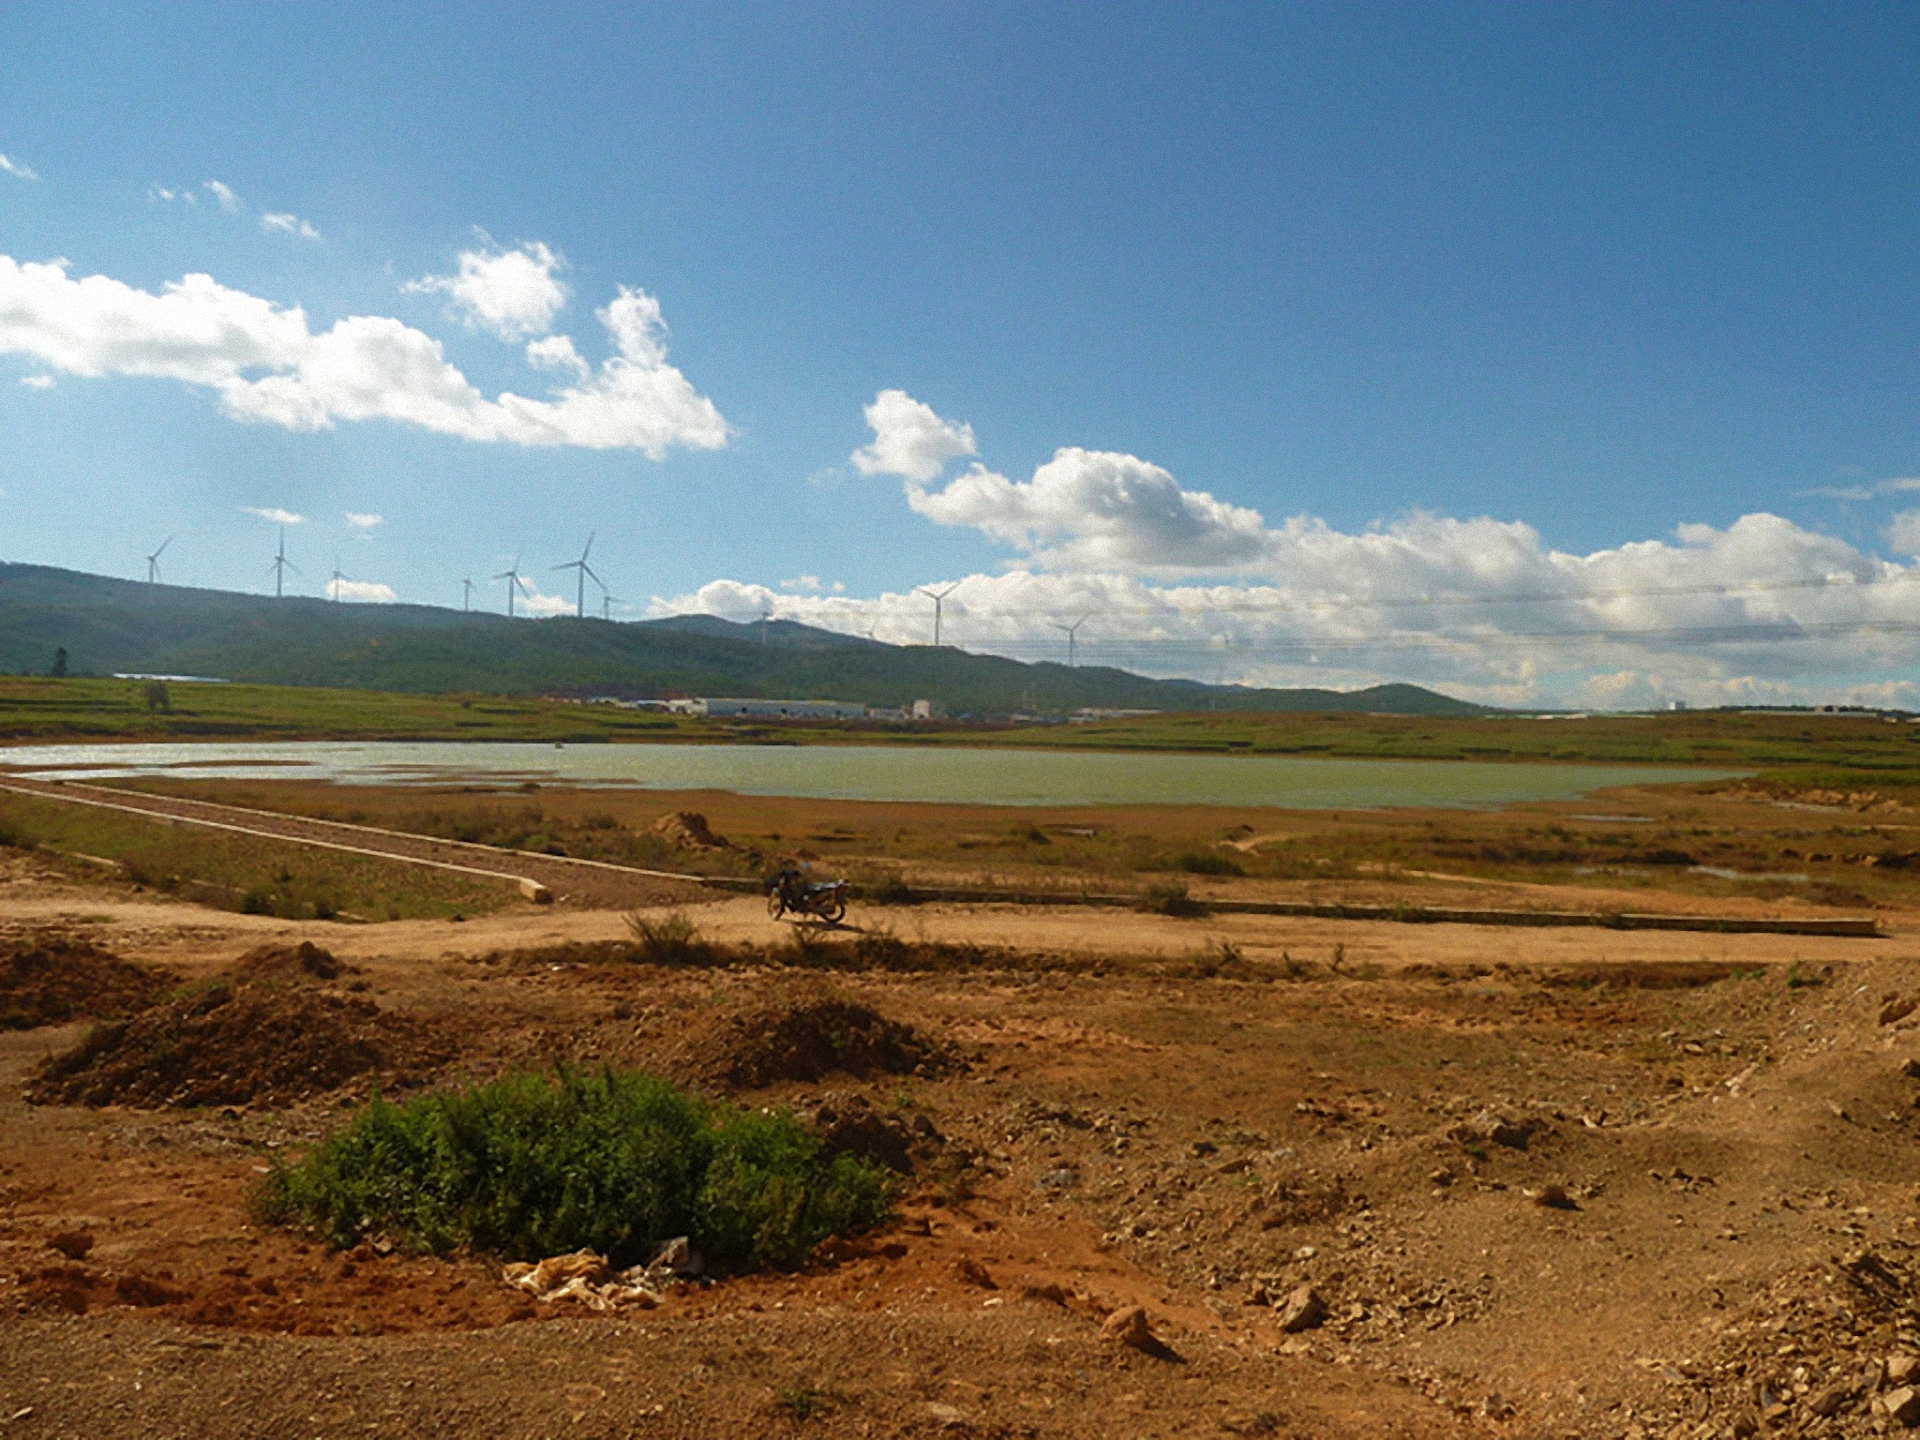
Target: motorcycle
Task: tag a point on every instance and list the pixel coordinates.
(790, 892)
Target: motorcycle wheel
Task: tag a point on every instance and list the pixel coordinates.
(776, 905)
(832, 909)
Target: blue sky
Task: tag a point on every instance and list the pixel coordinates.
(1240, 328)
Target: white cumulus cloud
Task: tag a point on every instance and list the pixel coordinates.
(1094, 508)
(557, 352)
(345, 589)
(37, 382)
(275, 514)
(288, 225)
(268, 365)
(910, 440)
(19, 169)
(229, 201)
(164, 195)
(513, 294)
(362, 521)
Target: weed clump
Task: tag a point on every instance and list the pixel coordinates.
(669, 940)
(616, 1162)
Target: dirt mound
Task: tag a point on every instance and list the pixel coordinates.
(850, 1125)
(305, 963)
(688, 829)
(51, 979)
(805, 1038)
(237, 1041)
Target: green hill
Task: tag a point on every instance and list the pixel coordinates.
(108, 626)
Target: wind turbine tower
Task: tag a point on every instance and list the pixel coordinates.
(580, 605)
(466, 596)
(939, 598)
(153, 561)
(514, 583)
(1071, 632)
(333, 586)
(281, 564)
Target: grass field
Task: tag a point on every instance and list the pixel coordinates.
(245, 872)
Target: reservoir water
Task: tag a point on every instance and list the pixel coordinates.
(869, 772)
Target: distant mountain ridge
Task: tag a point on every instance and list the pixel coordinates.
(108, 626)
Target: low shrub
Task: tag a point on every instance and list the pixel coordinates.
(1209, 862)
(670, 939)
(538, 1165)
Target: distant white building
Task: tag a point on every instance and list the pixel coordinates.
(716, 708)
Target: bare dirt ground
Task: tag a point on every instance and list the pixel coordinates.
(1562, 1182)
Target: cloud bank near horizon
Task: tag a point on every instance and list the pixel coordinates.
(1180, 582)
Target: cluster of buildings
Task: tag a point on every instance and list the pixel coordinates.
(717, 707)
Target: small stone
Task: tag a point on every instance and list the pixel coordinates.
(1488, 1128)
(1554, 1197)
(969, 1271)
(1902, 1369)
(1494, 1407)
(1832, 1400)
(1902, 1405)
(1441, 1178)
(1898, 1008)
(1910, 1068)
(1129, 1326)
(1303, 1309)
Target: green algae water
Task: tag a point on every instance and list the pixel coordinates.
(973, 776)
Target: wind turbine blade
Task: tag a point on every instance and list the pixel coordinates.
(596, 579)
(163, 548)
(589, 550)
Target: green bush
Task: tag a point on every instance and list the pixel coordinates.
(533, 1165)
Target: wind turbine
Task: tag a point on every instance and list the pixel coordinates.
(466, 596)
(514, 583)
(580, 606)
(766, 614)
(281, 564)
(153, 561)
(1071, 631)
(939, 598)
(607, 602)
